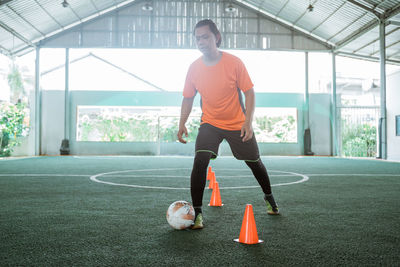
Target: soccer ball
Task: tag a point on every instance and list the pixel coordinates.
(180, 215)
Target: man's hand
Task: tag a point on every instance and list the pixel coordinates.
(246, 132)
(182, 131)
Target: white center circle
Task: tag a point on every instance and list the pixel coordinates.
(95, 178)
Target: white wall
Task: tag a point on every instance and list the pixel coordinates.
(320, 124)
(52, 122)
(393, 109)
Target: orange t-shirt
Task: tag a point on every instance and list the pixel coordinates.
(219, 87)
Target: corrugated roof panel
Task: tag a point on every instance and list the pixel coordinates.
(5, 35)
(339, 21)
(98, 5)
(396, 18)
(372, 4)
(386, 4)
(83, 8)
(358, 43)
(393, 44)
(393, 35)
(274, 6)
(372, 49)
(22, 6)
(367, 45)
(353, 27)
(323, 9)
(38, 18)
(293, 10)
(368, 41)
(16, 23)
(393, 52)
(346, 29)
(63, 16)
(9, 41)
(332, 20)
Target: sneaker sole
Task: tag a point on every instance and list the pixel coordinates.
(197, 227)
(273, 213)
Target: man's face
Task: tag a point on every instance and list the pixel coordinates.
(206, 41)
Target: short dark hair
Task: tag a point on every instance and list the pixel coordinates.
(212, 26)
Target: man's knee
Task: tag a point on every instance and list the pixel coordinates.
(202, 158)
(254, 164)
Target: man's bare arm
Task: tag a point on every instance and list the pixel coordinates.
(186, 108)
(247, 128)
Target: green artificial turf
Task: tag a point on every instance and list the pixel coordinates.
(52, 214)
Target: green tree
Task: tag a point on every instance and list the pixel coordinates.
(14, 120)
(12, 126)
(359, 140)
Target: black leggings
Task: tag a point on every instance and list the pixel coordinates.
(199, 174)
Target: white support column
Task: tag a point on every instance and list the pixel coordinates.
(383, 121)
(335, 142)
(64, 149)
(306, 97)
(38, 103)
(306, 113)
(66, 98)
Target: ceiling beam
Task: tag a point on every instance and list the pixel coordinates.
(306, 11)
(376, 59)
(3, 2)
(48, 14)
(16, 34)
(27, 22)
(5, 51)
(393, 22)
(373, 11)
(328, 17)
(348, 26)
(366, 28)
(388, 46)
(392, 12)
(375, 40)
(282, 8)
(66, 27)
(387, 15)
(283, 22)
(395, 53)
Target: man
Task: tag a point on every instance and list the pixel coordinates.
(220, 78)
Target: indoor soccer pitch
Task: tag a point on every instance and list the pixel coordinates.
(110, 211)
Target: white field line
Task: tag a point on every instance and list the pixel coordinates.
(188, 176)
(354, 174)
(95, 179)
(15, 158)
(116, 174)
(42, 175)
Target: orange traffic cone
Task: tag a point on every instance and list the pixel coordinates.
(212, 181)
(248, 233)
(209, 173)
(216, 197)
